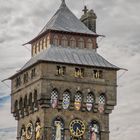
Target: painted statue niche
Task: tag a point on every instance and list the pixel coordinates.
(37, 130)
(23, 133)
(54, 98)
(94, 131)
(101, 103)
(58, 129)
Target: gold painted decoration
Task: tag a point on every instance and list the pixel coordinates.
(29, 131)
(77, 128)
(77, 105)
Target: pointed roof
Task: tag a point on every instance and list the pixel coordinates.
(77, 56)
(65, 20)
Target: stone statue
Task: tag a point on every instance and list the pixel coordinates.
(58, 130)
(23, 134)
(38, 131)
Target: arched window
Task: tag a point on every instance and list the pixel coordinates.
(16, 108)
(58, 129)
(78, 100)
(56, 40)
(25, 104)
(73, 42)
(21, 110)
(81, 43)
(66, 100)
(94, 131)
(30, 102)
(101, 103)
(64, 41)
(89, 44)
(54, 98)
(89, 101)
(35, 100)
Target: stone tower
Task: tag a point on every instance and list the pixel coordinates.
(66, 91)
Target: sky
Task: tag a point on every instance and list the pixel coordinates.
(118, 20)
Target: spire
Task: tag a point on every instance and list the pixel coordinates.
(63, 4)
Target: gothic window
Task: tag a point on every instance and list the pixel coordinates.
(33, 73)
(101, 103)
(25, 104)
(21, 110)
(35, 100)
(98, 74)
(89, 101)
(79, 72)
(26, 77)
(64, 41)
(72, 42)
(16, 108)
(78, 100)
(89, 44)
(58, 129)
(56, 40)
(81, 43)
(61, 71)
(94, 131)
(18, 81)
(66, 100)
(30, 101)
(54, 98)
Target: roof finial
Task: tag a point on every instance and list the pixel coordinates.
(63, 1)
(85, 9)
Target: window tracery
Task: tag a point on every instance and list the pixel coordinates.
(79, 72)
(98, 74)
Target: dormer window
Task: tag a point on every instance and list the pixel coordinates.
(89, 44)
(97, 74)
(79, 72)
(61, 71)
(81, 43)
(56, 40)
(72, 42)
(64, 41)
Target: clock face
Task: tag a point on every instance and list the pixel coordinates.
(29, 131)
(77, 128)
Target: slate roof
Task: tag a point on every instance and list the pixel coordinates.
(58, 54)
(65, 20)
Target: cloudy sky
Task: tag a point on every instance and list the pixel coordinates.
(119, 20)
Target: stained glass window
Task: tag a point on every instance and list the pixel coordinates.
(54, 98)
(101, 103)
(78, 97)
(66, 100)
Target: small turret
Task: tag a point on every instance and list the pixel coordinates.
(89, 19)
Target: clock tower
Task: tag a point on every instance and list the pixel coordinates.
(66, 91)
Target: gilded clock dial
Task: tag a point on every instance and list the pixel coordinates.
(29, 131)
(77, 128)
